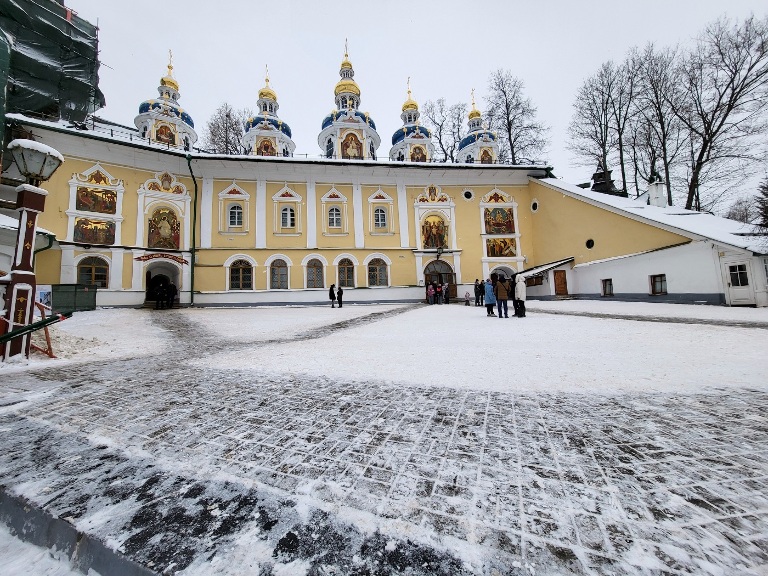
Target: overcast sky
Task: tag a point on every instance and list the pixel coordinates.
(447, 48)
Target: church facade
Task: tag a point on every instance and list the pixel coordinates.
(135, 209)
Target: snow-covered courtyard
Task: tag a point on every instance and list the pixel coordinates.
(590, 437)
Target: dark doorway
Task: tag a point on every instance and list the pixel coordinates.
(561, 283)
(440, 272)
(152, 284)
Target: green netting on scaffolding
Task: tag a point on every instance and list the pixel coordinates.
(53, 68)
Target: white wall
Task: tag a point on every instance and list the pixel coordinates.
(690, 269)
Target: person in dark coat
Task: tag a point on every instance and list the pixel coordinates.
(478, 290)
(482, 293)
(171, 294)
(160, 297)
(490, 299)
(332, 295)
(339, 294)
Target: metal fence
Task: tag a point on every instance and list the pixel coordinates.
(67, 298)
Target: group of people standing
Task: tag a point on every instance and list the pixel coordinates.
(334, 295)
(165, 295)
(437, 293)
(497, 294)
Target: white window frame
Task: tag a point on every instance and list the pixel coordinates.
(287, 198)
(380, 199)
(334, 199)
(233, 195)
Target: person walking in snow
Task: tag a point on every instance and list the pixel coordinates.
(431, 294)
(490, 299)
(445, 293)
(478, 290)
(439, 293)
(502, 291)
(466, 298)
(332, 295)
(482, 293)
(339, 295)
(520, 296)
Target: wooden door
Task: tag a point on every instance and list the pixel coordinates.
(740, 290)
(561, 283)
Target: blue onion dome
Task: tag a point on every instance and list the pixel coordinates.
(275, 122)
(474, 137)
(167, 107)
(335, 115)
(406, 131)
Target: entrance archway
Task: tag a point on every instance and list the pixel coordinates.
(159, 274)
(439, 271)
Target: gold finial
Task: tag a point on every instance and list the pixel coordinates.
(170, 61)
(409, 86)
(346, 49)
(474, 113)
(266, 74)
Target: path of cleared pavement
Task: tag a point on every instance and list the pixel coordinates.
(209, 471)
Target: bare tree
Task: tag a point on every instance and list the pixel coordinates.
(590, 136)
(742, 210)
(721, 98)
(447, 126)
(514, 116)
(622, 86)
(663, 136)
(224, 131)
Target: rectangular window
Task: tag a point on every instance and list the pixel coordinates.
(659, 284)
(738, 274)
(534, 281)
(608, 287)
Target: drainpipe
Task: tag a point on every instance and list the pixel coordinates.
(194, 235)
(51, 238)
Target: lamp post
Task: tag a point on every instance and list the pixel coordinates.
(37, 162)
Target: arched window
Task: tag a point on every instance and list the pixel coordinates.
(186, 144)
(343, 101)
(334, 218)
(287, 218)
(286, 153)
(315, 274)
(241, 275)
(346, 273)
(235, 215)
(372, 151)
(470, 160)
(377, 273)
(93, 270)
(329, 148)
(379, 218)
(278, 275)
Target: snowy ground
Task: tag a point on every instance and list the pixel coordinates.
(401, 439)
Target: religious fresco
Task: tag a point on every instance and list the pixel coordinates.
(165, 183)
(98, 177)
(501, 247)
(434, 232)
(418, 155)
(266, 148)
(90, 231)
(165, 135)
(351, 148)
(499, 221)
(95, 200)
(486, 157)
(164, 229)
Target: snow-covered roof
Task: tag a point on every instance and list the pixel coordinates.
(544, 267)
(10, 223)
(689, 223)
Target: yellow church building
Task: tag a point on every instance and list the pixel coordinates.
(134, 208)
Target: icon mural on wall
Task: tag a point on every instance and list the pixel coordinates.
(418, 155)
(434, 232)
(95, 200)
(351, 147)
(499, 221)
(164, 229)
(165, 135)
(501, 247)
(485, 157)
(89, 231)
(266, 148)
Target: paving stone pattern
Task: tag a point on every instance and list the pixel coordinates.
(171, 462)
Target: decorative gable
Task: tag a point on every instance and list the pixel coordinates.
(165, 183)
(234, 192)
(433, 195)
(286, 195)
(333, 195)
(496, 196)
